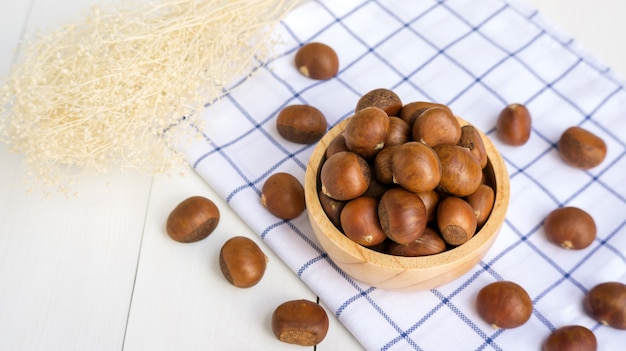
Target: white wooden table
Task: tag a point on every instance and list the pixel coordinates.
(98, 272)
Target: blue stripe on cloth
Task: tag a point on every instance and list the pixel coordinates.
(476, 56)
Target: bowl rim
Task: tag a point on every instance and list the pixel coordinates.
(481, 240)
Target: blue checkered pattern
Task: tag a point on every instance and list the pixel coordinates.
(477, 56)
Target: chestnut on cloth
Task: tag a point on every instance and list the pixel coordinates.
(477, 57)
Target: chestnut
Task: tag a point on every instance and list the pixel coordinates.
(399, 132)
(302, 124)
(336, 145)
(436, 126)
(192, 220)
(456, 220)
(429, 243)
(471, 139)
(402, 215)
(345, 176)
(412, 110)
(382, 164)
(461, 173)
(242, 262)
(317, 61)
(513, 125)
(581, 148)
(332, 208)
(431, 201)
(359, 221)
(300, 322)
(383, 98)
(482, 201)
(416, 167)
(570, 227)
(504, 304)
(571, 338)
(366, 131)
(376, 189)
(283, 196)
(606, 303)
(382, 247)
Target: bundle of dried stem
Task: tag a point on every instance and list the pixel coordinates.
(97, 94)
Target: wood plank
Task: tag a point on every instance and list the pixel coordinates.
(13, 17)
(67, 265)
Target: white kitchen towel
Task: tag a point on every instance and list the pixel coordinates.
(476, 56)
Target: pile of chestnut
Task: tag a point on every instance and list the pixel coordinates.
(406, 179)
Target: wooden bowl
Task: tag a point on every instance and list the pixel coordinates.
(396, 272)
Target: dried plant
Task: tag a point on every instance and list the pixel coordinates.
(96, 95)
